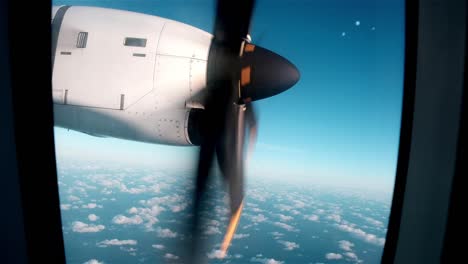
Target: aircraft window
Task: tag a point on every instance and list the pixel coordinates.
(319, 180)
(82, 40)
(135, 42)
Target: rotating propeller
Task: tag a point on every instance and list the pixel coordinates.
(238, 73)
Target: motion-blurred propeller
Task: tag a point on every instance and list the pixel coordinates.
(238, 73)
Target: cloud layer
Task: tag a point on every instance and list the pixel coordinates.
(81, 227)
(117, 242)
(289, 245)
(333, 256)
(93, 261)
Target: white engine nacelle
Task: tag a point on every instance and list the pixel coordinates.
(125, 74)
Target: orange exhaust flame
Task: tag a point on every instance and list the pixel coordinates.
(231, 230)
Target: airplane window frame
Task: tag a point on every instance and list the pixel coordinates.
(35, 151)
(30, 72)
(428, 150)
(409, 85)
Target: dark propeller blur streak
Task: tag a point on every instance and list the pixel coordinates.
(222, 117)
(238, 73)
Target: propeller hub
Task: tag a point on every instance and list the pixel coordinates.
(264, 73)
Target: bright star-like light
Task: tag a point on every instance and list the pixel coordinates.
(358, 23)
(343, 34)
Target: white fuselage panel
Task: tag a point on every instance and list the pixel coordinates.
(127, 75)
(106, 73)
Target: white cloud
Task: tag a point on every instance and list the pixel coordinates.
(334, 217)
(284, 207)
(132, 190)
(374, 222)
(89, 206)
(117, 242)
(178, 208)
(114, 183)
(170, 256)
(133, 210)
(333, 256)
(65, 206)
(212, 230)
(295, 212)
(165, 233)
(109, 183)
(247, 226)
(277, 234)
(106, 191)
(240, 236)
(93, 217)
(258, 218)
(81, 227)
(156, 188)
(370, 220)
(266, 260)
(150, 178)
(165, 200)
(346, 245)
(221, 211)
(312, 217)
(285, 218)
(352, 256)
(216, 254)
(299, 204)
(73, 198)
(123, 220)
(93, 261)
(84, 185)
(213, 222)
(370, 238)
(285, 226)
(148, 215)
(128, 249)
(289, 245)
(158, 246)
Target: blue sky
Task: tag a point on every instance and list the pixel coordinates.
(339, 125)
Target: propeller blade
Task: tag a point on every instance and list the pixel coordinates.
(222, 122)
(232, 22)
(231, 160)
(230, 154)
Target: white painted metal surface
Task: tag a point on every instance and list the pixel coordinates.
(99, 74)
(182, 40)
(130, 92)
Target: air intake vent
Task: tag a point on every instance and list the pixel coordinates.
(82, 39)
(135, 42)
